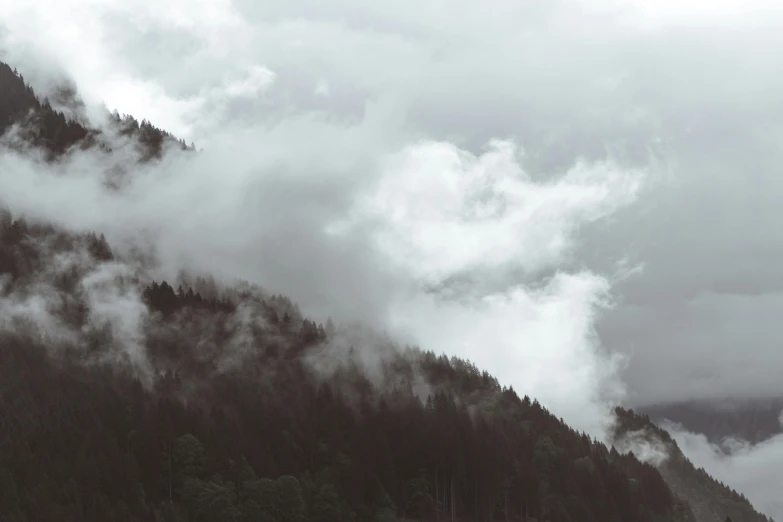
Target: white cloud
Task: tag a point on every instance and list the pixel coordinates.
(112, 300)
(753, 470)
(88, 39)
(258, 79)
(249, 221)
(540, 341)
(322, 88)
(410, 154)
(446, 211)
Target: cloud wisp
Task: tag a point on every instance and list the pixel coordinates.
(414, 250)
(752, 469)
(459, 176)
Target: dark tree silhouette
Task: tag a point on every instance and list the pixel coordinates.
(229, 405)
(49, 130)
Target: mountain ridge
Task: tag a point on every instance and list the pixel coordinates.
(710, 499)
(46, 128)
(750, 420)
(181, 415)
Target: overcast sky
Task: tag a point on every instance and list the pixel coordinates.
(500, 180)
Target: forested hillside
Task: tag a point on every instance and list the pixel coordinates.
(709, 499)
(129, 399)
(49, 130)
(228, 415)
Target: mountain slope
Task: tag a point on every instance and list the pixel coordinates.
(128, 399)
(236, 385)
(709, 499)
(48, 129)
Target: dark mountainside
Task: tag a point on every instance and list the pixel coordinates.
(709, 499)
(753, 421)
(52, 132)
(238, 423)
(225, 404)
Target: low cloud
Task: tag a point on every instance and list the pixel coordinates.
(387, 256)
(72, 299)
(645, 445)
(753, 470)
(402, 199)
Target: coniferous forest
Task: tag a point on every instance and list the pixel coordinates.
(226, 404)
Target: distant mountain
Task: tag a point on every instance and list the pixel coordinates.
(128, 399)
(750, 420)
(709, 498)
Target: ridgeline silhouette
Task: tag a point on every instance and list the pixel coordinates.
(226, 404)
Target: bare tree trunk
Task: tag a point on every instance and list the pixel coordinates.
(523, 505)
(490, 507)
(171, 499)
(452, 499)
(437, 496)
(475, 499)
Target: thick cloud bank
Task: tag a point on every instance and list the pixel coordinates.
(751, 469)
(415, 250)
(462, 175)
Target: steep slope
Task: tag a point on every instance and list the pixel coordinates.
(237, 408)
(709, 499)
(50, 130)
(42, 125)
(127, 399)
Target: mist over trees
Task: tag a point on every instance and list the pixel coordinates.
(49, 130)
(133, 399)
(274, 437)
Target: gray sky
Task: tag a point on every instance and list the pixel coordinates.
(534, 161)
(687, 91)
